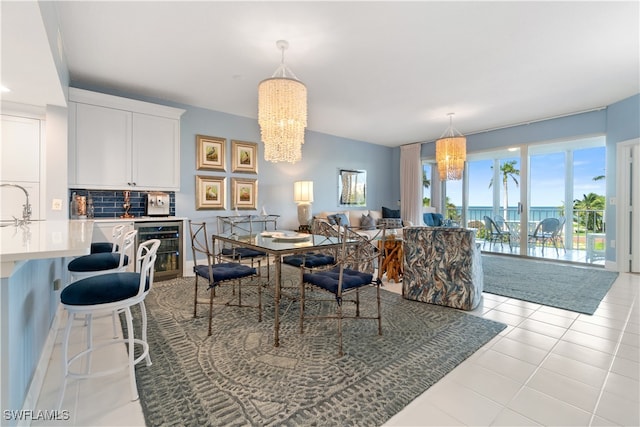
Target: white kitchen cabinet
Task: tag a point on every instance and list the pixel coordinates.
(122, 144)
(21, 161)
(20, 149)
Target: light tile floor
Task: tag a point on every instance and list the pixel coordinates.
(548, 367)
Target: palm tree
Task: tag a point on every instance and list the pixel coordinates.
(508, 170)
(426, 183)
(591, 203)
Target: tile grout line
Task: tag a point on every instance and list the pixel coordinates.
(613, 360)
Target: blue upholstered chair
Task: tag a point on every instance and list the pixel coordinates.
(216, 274)
(109, 293)
(433, 219)
(111, 246)
(354, 270)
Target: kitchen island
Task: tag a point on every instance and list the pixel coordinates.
(34, 260)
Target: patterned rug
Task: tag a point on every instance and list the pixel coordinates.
(237, 377)
(578, 289)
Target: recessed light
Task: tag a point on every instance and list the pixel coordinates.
(512, 149)
(3, 89)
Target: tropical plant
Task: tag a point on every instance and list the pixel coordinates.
(589, 211)
(426, 183)
(508, 170)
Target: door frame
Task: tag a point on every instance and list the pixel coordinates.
(627, 218)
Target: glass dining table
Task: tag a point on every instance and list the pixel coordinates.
(278, 244)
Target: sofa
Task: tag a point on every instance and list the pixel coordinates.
(365, 222)
(442, 265)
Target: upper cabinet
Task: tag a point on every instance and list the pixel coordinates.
(122, 144)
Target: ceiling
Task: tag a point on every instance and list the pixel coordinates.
(382, 72)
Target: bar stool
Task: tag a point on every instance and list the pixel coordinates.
(112, 246)
(104, 262)
(110, 293)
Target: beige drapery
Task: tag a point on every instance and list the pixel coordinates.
(411, 183)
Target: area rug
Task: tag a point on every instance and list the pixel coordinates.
(569, 287)
(237, 377)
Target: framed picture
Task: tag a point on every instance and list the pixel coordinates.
(244, 193)
(244, 157)
(210, 192)
(210, 153)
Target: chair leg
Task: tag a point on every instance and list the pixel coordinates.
(379, 311)
(259, 302)
(143, 334)
(195, 298)
(210, 310)
(131, 347)
(340, 351)
(301, 307)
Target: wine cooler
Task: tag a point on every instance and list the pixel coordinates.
(169, 260)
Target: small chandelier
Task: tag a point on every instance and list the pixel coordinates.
(451, 153)
(282, 113)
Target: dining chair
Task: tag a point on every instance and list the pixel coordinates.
(218, 273)
(354, 269)
(109, 293)
(546, 231)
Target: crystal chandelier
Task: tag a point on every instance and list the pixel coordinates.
(282, 113)
(451, 153)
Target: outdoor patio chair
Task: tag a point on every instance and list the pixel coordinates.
(546, 231)
(216, 274)
(495, 233)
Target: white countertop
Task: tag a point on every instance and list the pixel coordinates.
(43, 239)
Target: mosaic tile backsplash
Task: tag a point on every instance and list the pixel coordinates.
(109, 203)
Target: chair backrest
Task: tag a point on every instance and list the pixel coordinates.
(550, 225)
(501, 224)
(563, 220)
(145, 262)
(127, 240)
(491, 225)
(116, 235)
(200, 243)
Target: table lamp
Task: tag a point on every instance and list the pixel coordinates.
(303, 196)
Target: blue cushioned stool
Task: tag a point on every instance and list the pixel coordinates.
(109, 293)
(103, 262)
(112, 246)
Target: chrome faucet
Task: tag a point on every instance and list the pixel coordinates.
(26, 208)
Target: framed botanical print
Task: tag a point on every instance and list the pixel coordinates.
(210, 192)
(244, 193)
(244, 157)
(210, 153)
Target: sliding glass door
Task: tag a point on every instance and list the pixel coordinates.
(560, 184)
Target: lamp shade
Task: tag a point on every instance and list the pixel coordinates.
(303, 191)
(451, 153)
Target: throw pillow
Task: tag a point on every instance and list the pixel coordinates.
(390, 213)
(367, 222)
(339, 219)
(390, 222)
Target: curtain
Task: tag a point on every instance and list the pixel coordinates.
(411, 183)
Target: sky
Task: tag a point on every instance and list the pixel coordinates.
(547, 179)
